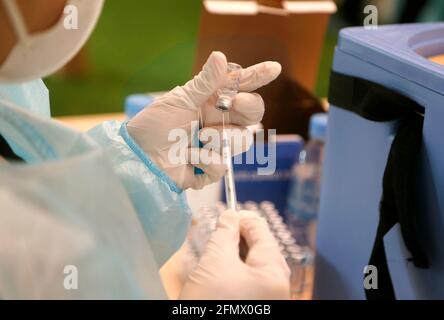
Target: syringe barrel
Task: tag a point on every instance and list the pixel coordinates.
(230, 186)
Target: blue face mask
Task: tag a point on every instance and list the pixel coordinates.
(32, 96)
(162, 210)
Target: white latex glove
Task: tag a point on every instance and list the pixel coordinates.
(178, 108)
(222, 275)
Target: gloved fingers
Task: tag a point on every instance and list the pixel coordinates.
(241, 139)
(263, 249)
(248, 109)
(209, 161)
(188, 179)
(224, 242)
(225, 239)
(157, 122)
(220, 254)
(184, 175)
(255, 229)
(198, 90)
(259, 75)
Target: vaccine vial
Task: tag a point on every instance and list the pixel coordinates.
(227, 94)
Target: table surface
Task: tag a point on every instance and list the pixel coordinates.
(171, 273)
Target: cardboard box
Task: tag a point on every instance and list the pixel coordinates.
(290, 32)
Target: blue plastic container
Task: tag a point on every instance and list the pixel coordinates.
(136, 103)
(356, 155)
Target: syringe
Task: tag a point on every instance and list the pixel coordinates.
(224, 104)
(230, 187)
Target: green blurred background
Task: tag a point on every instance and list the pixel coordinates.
(121, 62)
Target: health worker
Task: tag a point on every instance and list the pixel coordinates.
(96, 214)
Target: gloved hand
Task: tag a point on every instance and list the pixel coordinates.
(222, 275)
(179, 108)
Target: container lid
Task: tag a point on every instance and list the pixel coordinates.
(400, 49)
(318, 126)
(136, 103)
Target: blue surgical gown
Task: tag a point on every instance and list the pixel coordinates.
(160, 205)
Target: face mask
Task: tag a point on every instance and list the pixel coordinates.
(38, 55)
(32, 96)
